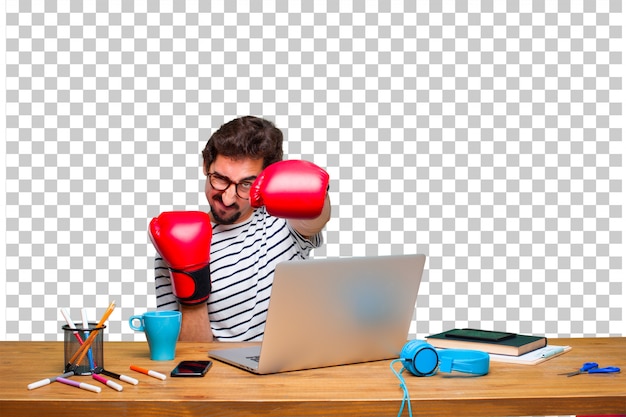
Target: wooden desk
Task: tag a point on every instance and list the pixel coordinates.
(368, 389)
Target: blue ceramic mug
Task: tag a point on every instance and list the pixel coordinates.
(162, 329)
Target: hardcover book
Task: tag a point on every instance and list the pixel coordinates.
(501, 343)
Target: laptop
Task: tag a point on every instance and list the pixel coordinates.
(334, 311)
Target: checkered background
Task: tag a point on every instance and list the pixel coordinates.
(486, 134)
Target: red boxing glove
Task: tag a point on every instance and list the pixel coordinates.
(183, 238)
(291, 189)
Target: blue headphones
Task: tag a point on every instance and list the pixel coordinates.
(421, 359)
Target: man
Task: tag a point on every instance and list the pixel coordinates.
(263, 211)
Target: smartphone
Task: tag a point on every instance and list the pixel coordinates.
(192, 368)
(478, 335)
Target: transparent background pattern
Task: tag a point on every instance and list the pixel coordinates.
(485, 134)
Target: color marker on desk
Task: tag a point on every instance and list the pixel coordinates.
(47, 381)
(107, 382)
(81, 385)
(153, 374)
(118, 376)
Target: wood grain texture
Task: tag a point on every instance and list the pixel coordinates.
(368, 389)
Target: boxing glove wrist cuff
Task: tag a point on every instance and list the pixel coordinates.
(201, 283)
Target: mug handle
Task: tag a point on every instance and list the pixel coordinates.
(131, 320)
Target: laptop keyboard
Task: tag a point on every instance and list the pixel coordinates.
(253, 358)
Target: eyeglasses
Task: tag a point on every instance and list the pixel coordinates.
(220, 183)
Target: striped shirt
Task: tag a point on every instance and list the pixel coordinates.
(242, 263)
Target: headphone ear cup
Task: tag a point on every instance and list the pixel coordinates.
(420, 358)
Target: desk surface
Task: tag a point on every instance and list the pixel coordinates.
(366, 389)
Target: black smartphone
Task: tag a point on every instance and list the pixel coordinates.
(475, 334)
(192, 368)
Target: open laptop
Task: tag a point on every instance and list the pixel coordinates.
(335, 311)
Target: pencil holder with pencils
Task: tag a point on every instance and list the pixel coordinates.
(73, 338)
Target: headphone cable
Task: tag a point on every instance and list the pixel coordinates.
(405, 398)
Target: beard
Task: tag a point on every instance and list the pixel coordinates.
(224, 219)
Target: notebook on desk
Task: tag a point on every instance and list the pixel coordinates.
(336, 311)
